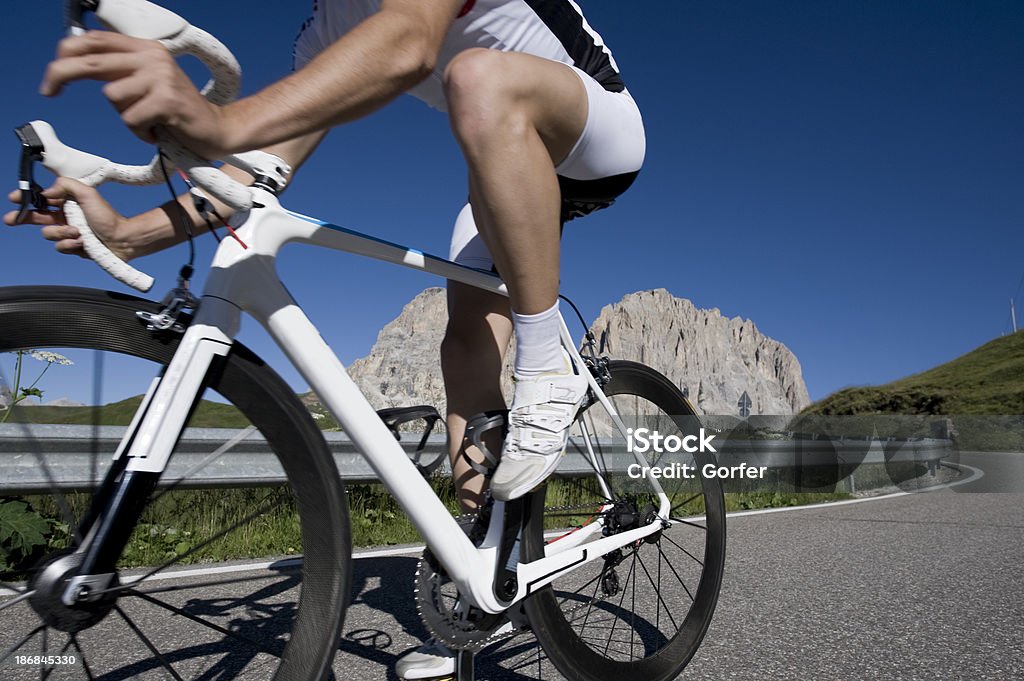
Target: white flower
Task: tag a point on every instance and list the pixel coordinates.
(50, 357)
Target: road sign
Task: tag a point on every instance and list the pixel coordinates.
(744, 404)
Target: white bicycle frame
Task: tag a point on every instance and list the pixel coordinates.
(245, 280)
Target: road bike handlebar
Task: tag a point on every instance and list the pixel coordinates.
(143, 19)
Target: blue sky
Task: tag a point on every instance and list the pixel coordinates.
(848, 175)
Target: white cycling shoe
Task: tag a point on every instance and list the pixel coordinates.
(431, 660)
(543, 409)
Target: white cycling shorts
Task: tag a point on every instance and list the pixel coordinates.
(601, 165)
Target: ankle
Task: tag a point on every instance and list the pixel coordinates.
(538, 343)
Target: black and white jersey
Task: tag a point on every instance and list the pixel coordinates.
(552, 29)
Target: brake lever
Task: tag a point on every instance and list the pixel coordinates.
(32, 198)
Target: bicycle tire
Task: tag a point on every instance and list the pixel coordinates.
(555, 612)
(63, 317)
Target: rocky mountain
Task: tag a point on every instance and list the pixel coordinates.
(714, 359)
(711, 357)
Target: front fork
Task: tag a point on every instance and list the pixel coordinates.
(146, 448)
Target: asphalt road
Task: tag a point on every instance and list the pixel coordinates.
(921, 586)
(918, 586)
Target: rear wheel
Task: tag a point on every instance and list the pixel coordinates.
(166, 616)
(642, 611)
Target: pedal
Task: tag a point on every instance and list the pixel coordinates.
(396, 416)
(476, 426)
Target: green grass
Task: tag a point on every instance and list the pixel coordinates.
(176, 526)
(981, 392)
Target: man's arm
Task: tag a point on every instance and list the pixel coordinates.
(376, 61)
(161, 227)
(148, 232)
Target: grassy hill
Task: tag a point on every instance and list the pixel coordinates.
(986, 381)
(208, 414)
(982, 392)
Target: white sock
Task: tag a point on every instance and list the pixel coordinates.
(538, 343)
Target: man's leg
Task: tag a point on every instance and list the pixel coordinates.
(516, 117)
(472, 355)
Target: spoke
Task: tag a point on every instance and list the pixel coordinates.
(687, 522)
(97, 399)
(657, 589)
(593, 599)
(621, 599)
(205, 623)
(579, 590)
(657, 611)
(198, 547)
(42, 651)
(58, 496)
(81, 655)
(213, 456)
(680, 579)
(51, 668)
(25, 639)
(595, 447)
(22, 597)
(671, 541)
(12, 588)
(632, 607)
(148, 643)
(684, 503)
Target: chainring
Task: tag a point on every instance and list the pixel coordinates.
(440, 608)
(445, 617)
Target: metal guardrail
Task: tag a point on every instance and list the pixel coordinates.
(76, 455)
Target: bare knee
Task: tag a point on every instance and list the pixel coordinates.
(482, 99)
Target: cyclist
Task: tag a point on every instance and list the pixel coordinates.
(548, 131)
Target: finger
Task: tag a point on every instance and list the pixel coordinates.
(34, 218)
(93, 42)
(91, 201)
(104, 66)
(144, 117)
(65, 188)
(71, 247)
(126, 92)
(15, 198)
(60, 233)
(53, 202)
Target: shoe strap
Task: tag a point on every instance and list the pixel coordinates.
(551, 391)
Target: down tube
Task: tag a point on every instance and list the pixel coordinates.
(297, 336)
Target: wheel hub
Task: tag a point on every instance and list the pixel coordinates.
(47, 586)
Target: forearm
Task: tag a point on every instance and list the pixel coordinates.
(165, 226)
(378, 60)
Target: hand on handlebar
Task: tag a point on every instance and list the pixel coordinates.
(109, 226)
(145, 85)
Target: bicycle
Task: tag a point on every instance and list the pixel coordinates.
(567, 579)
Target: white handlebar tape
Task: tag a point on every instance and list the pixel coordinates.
(143, 19)
(140, 18)
(101, 255)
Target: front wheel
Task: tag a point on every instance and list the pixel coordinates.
(169, 614)
(639, 612)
